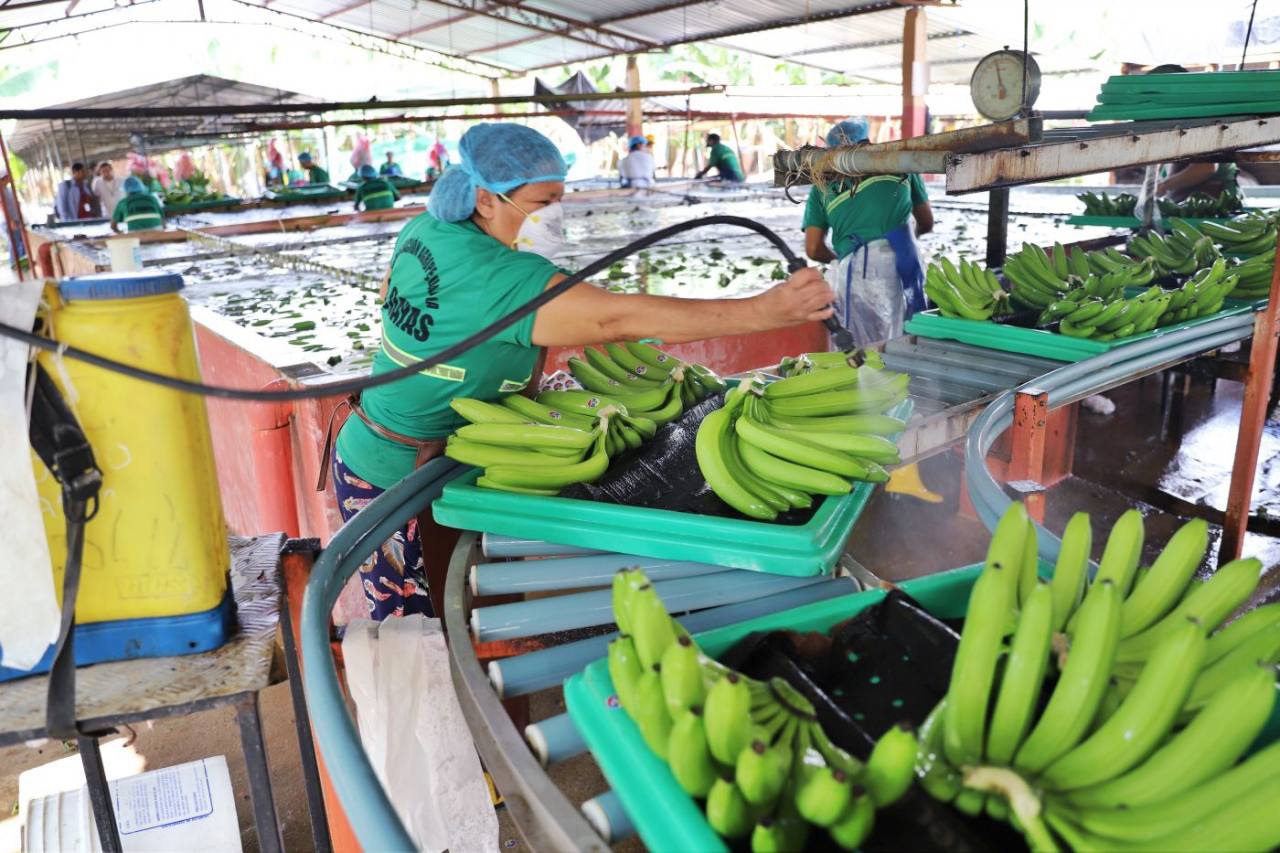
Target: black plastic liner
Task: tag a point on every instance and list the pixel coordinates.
(663, 474)
(891, 663)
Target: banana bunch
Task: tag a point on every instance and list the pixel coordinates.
(809, 361)
(1038, 277)
(1247, 235)
(1108, 318)
(770, 448)
(1253, 276)
(631, 371)
(1183, 251)
(529, 448)
(1106, 205)
(754, 750)
(1106, 765)
(1202, 294)
(1203, 205)
(967, 291)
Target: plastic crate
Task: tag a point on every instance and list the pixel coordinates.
(798, 550)
(1134, 223)
(211, 204)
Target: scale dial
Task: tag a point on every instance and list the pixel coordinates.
(996, 84)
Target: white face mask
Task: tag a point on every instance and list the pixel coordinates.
(542, 231)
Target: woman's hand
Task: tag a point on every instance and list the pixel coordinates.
(803, 297)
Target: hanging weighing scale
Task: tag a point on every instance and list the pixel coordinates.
(997, 82)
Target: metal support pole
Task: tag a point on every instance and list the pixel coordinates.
(255, 760)
(1026, 462)
(997, 226)
(95, 778)
(1253, 418)
(635, 108)
(737, 144)
(915, 71)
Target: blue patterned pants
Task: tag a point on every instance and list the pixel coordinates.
(394, 577)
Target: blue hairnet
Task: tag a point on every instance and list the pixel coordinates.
(637, 140)
(498, 157)
(304, 156)
(848, 132)
(134, 184)
(367, 171)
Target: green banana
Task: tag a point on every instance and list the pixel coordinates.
(854, 827)
(536, 436)
(623, 357)
(581, 402)
(625, 583)
(779, 834)
(650, 713)
(1230, 636)
(937, 777)
(1263, 647)
(1072, 570)
(1123, 551)
(795, 450)
(1029, 567)
(728, 812)
(652, 628)
(546, 477)
(831, 379)
(1213, 741)
(688, 756)
(485, 455)
(1166, 581)
(1023, 676)
(870, 447)
(1210, 601)
(593, 380)
(1142, 720)
(709, 379)
(859, 401)
(726, 714)
(710, 447)
(664, 412)
(761, 773)
(860, 424)
(790, 474)
(610, 368)
(1081, 685)
(486, 483)
(538, 413)
(480, 412)
(624, 670)
(683, 682)
(891, 768)
(652, 356)
(822, 794)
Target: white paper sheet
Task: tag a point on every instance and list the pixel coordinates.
(29, 611)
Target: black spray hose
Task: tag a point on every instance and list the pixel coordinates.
(840, 336)
(354, 386)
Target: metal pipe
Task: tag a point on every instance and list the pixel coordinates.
(576, 572)
(554, 739)
(607, 816)
(496, 545)
(523, 674)
(588, 609)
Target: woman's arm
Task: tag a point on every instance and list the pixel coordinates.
(588, 315)
(1192, 176)
(815, 245)
(924, 218)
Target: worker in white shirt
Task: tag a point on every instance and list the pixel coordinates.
(107, 187)
(636, 168)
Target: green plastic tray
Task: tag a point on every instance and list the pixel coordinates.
(800, 550)
(225, 201)
(1135, 223)
(1172, 110)
(310, 192)
(931, 324)
(668, 819)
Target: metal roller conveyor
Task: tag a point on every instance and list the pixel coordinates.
(607, 817)
(495, 545)
(588, 609)
(554, 739)
(529, 673)
(576, 572)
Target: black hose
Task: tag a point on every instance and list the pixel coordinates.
(352, 386)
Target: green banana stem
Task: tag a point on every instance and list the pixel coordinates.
(1024, 803)
(834, 755)
(791, 698)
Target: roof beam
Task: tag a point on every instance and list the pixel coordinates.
(794, 21)
(434, 25)
(552, 24)
(342, 10)
(863, 45)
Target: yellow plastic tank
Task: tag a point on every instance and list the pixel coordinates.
(158, 545)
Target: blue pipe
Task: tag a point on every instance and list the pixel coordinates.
(523, 674)
(588, 609)
(497, 545)
(554, 739)
(606, 814)
(370, 811)
(576, 572)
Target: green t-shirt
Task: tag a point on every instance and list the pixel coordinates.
(725, 162)
(139, 212)
(448, 280)
(316, 175)
(376, 194)
(868, 211)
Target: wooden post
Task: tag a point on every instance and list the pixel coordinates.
(1026, 463)
(496, 92)
(997, 226)
(915, 72)
(635, 106)
(737, 144)
(1253, 417)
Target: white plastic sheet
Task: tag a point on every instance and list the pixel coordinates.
(414, 733)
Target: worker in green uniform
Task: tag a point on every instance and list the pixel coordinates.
(494, 222)
(721, 158)
(139, 210)
(315, 175)
(374, 193)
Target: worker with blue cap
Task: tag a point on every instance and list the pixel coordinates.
(315, 175)
(139, 210)
(636, 169)
(486, 246)
(875, 268)
(374, 192)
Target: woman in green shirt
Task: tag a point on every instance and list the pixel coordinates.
(482, 249)
(139, 210)
(875, 267)
(721, 158)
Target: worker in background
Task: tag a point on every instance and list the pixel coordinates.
(875, 268)
(390, 169)
(721, 158)
(439, 157)
(375, 193)
(484, 248)
(75, 198)
(139, 210)
(636, 169)
(1176, 181)
(315, 175)
(107, 187)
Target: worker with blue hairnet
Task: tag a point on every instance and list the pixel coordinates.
(637, 168)
(721, 158)
(374, 192)
(139, 210)
(486, 246)
(315, 175)
(875, 266)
